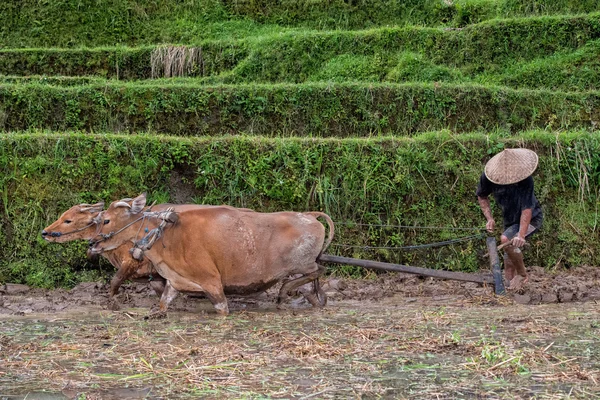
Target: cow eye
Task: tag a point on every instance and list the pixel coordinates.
(106, 221)
(68, 221)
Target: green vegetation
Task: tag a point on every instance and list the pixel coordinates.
(508, 52)
(377, 112)
(426, 180)
(343, 110)
(71, 23)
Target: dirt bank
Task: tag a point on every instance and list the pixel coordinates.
(579, 284)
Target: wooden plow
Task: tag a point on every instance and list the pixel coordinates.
(495, 277)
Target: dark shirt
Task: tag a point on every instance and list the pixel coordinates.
(512, 198)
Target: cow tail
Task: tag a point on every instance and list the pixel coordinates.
(327, 218)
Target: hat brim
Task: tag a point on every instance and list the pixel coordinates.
(511, 166)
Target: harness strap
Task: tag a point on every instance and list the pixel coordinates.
(58, 234)
(146, 243)
(106, 236)
(168, 216)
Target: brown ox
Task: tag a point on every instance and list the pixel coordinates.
(222, 250)
(81, 222)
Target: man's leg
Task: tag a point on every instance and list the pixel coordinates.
(509, 268)
(509, 265)
(520, 278)
(514, 269)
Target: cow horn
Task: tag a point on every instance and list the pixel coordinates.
(91, 207)
(122, 204)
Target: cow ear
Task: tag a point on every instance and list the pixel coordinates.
(137, 205)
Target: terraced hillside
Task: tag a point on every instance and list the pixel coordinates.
(377, 112)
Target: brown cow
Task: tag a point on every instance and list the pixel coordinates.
(82, 222)
(222, 250)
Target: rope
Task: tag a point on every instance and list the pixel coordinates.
(59, 234)
(416, 247)
(148, 241)
(445, 228)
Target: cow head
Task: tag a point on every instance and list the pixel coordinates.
(119, 223)
(78, 222)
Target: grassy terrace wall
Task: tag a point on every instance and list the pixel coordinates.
(117, 63)
(73, 23)
(333, 105)
(426, 180)
(386, 54)
(343, 110)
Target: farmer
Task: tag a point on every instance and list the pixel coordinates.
(507, 176)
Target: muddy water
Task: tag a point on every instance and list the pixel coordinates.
(578, 284)
(397, 347)
(395, 336)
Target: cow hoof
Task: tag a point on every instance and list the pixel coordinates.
(222, 308)
(113, 305)
(156, 315)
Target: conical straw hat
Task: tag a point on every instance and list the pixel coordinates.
(511, 166)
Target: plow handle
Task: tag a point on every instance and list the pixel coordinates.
(495, 264)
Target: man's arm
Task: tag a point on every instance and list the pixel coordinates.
(519, 240)
(484, 203)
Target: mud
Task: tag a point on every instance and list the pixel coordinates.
(578, 284)
(393, 336)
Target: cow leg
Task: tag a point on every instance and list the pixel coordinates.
(317, 298)
(158, 284)
(212, 287)
(125, 271)
(217, 297)
(168, 295)
(115, 284)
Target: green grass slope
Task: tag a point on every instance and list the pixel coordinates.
(317, 110)
(92, 23)
(553, 52)
(428, 180)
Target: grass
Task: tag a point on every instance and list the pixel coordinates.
(384, 180)
(352, 78)
(107, 22)
(283, 110)
(556, 52)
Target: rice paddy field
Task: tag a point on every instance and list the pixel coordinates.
(379, 113)
(455, 342)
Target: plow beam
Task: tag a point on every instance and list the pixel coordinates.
(434, 273)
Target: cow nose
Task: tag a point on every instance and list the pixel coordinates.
(44, 233)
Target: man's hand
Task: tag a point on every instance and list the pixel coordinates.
(518, 241)
(491, 224)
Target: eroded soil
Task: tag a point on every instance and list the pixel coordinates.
(392, 336)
